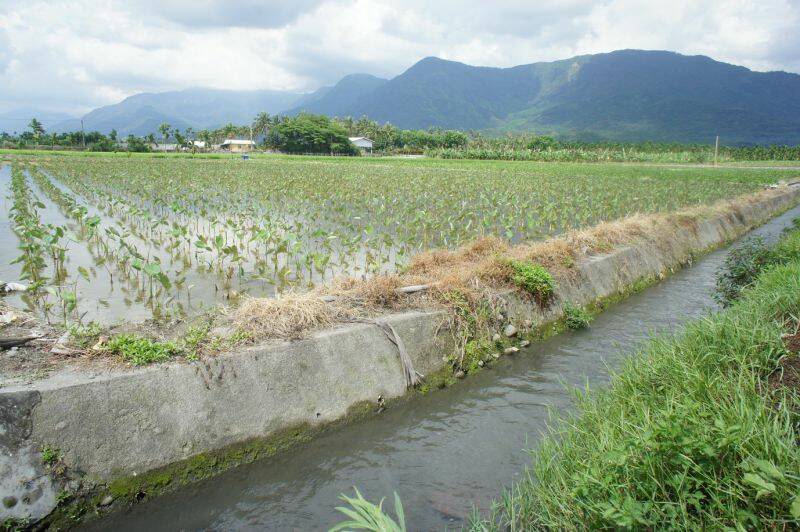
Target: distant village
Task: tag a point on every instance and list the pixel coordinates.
(363, 144)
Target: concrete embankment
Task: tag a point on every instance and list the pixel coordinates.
(164, 424)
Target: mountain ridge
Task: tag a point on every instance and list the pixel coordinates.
(625, 95)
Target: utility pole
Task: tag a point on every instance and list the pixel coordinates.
(83, 135)
(716, 150)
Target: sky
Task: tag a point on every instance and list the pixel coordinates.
(72, 56)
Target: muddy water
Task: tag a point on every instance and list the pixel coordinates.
(442, 452)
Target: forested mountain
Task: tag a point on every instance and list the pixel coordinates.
(628, 95)
(623, 95)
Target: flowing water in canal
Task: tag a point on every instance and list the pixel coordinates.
(443, 452)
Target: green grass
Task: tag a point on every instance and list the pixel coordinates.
(364, 515)
(50, 455)
(688, 435)
(534, 279)
(140, 351)
(576, 318)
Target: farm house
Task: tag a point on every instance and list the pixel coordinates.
(237, 145)
(362, 143)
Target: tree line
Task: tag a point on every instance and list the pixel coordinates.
(319, 134)
(303, 133)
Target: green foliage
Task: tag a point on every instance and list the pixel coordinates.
(140, 351)
(748, 260)
(531, 148)
(50, 455)
(306, 133)
(534, 279)
(576, 317)
(136, 144)
(741, 268)
(364, 515)
(192, 341)
(173, 232)
(687, 436)
(475, 351)
(84, 336)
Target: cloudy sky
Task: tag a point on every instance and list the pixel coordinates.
(74, 55)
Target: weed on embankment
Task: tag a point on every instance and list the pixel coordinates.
(694, 432)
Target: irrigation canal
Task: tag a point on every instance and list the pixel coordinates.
(444, 452)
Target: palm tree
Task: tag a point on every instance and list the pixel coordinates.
(36, 127)
(205, 136)
(262, 123)
(229, 130)
(164, 128)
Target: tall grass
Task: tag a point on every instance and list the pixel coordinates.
(688, 435)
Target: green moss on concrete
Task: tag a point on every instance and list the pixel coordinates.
(205, 465)
(128, 490)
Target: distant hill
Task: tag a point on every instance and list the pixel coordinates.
(344, 95)
(17, 120)
(628, 95)
(197, 108)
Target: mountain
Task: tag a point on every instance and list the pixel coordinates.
(196, 108)
(18, 119)
(345, 94)
(627, 95)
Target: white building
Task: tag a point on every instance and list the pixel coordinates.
(237, 145)
(362, 143)
(164, 147)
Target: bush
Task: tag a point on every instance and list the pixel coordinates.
(307, 133)
(747, 261)
(140, 351)
(742, 266)
(534, 279)
(576, 317)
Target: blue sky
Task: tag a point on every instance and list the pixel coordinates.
(76, 55)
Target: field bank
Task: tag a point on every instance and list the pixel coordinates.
(186, 420)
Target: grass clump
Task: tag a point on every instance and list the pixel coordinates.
(84, 336)
(748, 260)
(139, 351)
(689, 435)
(50, 455)
(534, 279)
(576, 318)
(475, 352)
(364, 515)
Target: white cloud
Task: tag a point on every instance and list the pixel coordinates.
(74, 55)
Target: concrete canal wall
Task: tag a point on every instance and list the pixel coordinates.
(115, 428)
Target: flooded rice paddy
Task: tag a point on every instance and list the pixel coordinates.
(129, 238)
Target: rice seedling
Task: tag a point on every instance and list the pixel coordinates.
(159, 237)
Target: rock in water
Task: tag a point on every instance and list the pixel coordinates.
(12, 287)
(510, 331)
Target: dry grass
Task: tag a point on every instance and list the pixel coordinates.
(288, 316)
(473, 270)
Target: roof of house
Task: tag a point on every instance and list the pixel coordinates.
(353, 139)
(240, 142)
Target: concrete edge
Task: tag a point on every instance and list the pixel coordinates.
(110, 426)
